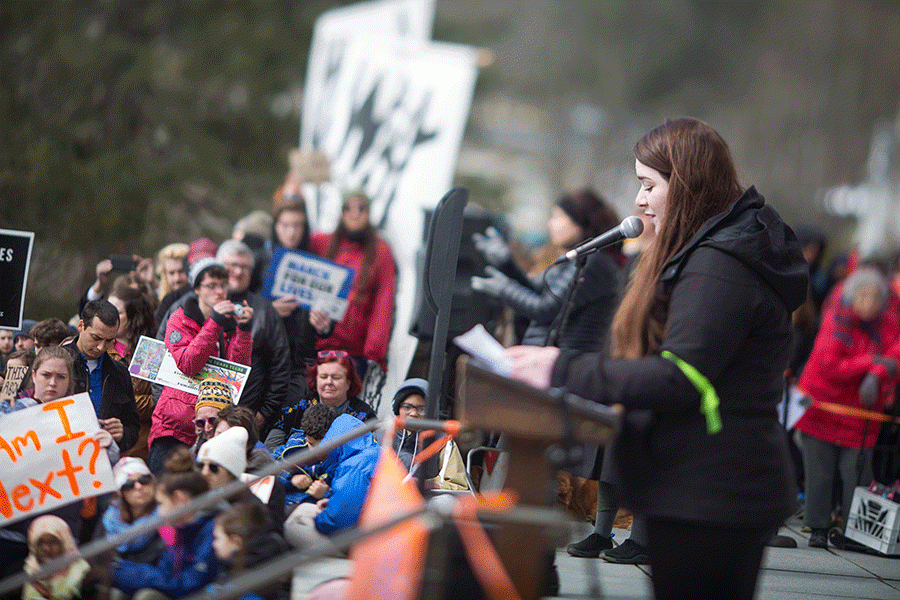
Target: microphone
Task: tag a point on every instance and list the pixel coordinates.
(627, 229)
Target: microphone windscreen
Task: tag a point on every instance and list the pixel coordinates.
(632, 227)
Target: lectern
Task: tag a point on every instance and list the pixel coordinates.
(531, 422)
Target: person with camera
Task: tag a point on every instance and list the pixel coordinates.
(205, 325)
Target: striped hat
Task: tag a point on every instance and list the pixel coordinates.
(214, 393)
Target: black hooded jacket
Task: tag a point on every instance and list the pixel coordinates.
(731, 292)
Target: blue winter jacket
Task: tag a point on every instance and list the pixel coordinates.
(354, 466)
(184, 569)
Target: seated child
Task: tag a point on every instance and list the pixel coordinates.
(49, 537)
(244, 536)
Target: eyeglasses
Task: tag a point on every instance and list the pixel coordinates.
(201, 423)
(213, 467)
(412, 407)
(332, 354)
(145, 480)
(238, 266)
(215, 286)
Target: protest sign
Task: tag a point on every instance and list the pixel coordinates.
(15, 258)
(153, 361)
(315, 282)
(49, 457)
(13, 379)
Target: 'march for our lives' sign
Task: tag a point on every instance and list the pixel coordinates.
(314, 281)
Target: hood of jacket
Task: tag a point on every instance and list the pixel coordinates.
(753, 232)
(341, 425)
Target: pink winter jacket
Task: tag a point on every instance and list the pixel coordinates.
(192, 344)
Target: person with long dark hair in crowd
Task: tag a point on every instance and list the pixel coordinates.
(365, 330)
(290, 230)
(189, 562)
(699, 344)
(853, 364)
(135, 319)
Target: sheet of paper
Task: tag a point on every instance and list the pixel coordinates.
(485, 349)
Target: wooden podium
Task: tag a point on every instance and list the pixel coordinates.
(531, 421)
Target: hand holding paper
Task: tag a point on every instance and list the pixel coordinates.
(482, 346)
(533, 364)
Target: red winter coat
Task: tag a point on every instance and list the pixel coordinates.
(192, 340)
(366, 327)
(841, 357)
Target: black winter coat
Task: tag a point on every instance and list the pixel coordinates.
(731, 292)
(118, 393)
(266, 389)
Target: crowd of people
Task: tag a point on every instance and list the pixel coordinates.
(723, 310)
(168, 446)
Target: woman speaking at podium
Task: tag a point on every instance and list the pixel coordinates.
(699, 347)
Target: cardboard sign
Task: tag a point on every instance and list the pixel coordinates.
(309, 166)
(153, 361)
(15, 258)
(49, 458)
(315, 282)
(13, 379)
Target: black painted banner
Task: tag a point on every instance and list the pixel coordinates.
(15, 257)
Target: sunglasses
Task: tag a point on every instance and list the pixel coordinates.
(144, 480)
(412, 407)
(213, 467)
(201, 423)
(332, 354)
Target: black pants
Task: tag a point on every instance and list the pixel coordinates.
(702, 561)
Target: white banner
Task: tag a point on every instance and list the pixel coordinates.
(48, 457)
(333, 32)
(390, 117)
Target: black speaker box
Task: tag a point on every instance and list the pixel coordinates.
(467, 307)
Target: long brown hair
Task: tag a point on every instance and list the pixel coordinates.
(369, 242)
(703, 182)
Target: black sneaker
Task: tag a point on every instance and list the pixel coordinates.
(591, 546)
(818, 538)
(628, 552)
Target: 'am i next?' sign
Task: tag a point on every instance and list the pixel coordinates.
(49, 457)
(315, 282)
(15, 257)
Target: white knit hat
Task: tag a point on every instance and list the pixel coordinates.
(128, 467)
(199, 267)
(228, 450)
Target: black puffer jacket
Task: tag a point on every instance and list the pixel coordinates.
(731, 293)
(593, 304)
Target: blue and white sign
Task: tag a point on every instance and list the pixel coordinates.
(315, 282)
